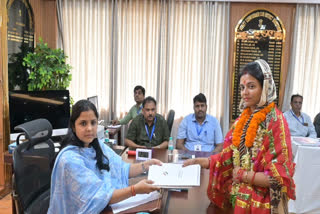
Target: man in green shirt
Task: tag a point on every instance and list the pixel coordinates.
(149, 129)
(138, 93)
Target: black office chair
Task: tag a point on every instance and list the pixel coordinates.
(94, 100)
(316, 124)
(170, 119)
(33, 162)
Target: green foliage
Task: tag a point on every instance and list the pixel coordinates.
(17, 73)
(49, 68)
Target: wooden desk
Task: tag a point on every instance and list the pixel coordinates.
(194, 200)
(143, 207)
(113, 132)
(8, 158)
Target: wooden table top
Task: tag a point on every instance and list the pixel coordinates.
(192, 201)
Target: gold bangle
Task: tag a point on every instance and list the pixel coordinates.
(247, 172)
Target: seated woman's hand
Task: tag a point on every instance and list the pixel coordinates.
(145, 186)
(152, 162)
(203, 162)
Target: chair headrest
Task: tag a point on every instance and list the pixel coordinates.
(171, 114)
(36, 131)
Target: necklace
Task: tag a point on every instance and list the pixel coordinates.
(251, 132)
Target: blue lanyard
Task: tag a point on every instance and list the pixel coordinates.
(199, 130)
(139, 110)
(297, 117)
(154, 126)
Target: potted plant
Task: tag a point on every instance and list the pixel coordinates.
(49, 70)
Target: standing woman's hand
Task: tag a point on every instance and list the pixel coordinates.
(190, 162)
(235, 174)
(203, 162)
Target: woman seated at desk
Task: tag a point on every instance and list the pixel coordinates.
(254, 171)
(88, 175)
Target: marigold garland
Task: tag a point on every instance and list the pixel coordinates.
(258, 118)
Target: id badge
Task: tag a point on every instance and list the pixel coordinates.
(197, 147)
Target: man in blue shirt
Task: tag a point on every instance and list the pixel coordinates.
(300, 123)
(200, 131)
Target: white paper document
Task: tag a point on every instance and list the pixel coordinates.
(113, 127)
(135, 201)
(171, 175)
(306, 141)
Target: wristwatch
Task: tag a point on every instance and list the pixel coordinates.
(144, 170)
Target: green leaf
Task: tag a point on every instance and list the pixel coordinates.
(49, 68)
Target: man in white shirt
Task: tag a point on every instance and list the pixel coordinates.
(299, 123)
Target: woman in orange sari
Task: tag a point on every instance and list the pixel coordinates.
(254, 171)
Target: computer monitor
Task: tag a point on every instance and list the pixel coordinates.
(94, 100)
(53, 105)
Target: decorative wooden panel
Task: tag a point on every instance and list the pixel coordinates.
(45, 21)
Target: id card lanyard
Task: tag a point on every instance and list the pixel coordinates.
(297, 117)
(199, 129)
(139, 110)
(153, 128)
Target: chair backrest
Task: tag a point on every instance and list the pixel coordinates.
(316, 124)
(94, 100)
(33, 162)
(170, 119)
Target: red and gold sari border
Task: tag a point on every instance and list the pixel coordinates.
(252, 204)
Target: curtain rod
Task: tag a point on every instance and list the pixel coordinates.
(255, 1)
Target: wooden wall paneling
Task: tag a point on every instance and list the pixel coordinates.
(50, 23)
(45, 21)
(1, 97)
(286, 14)
(37, 14)
(5, 170)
